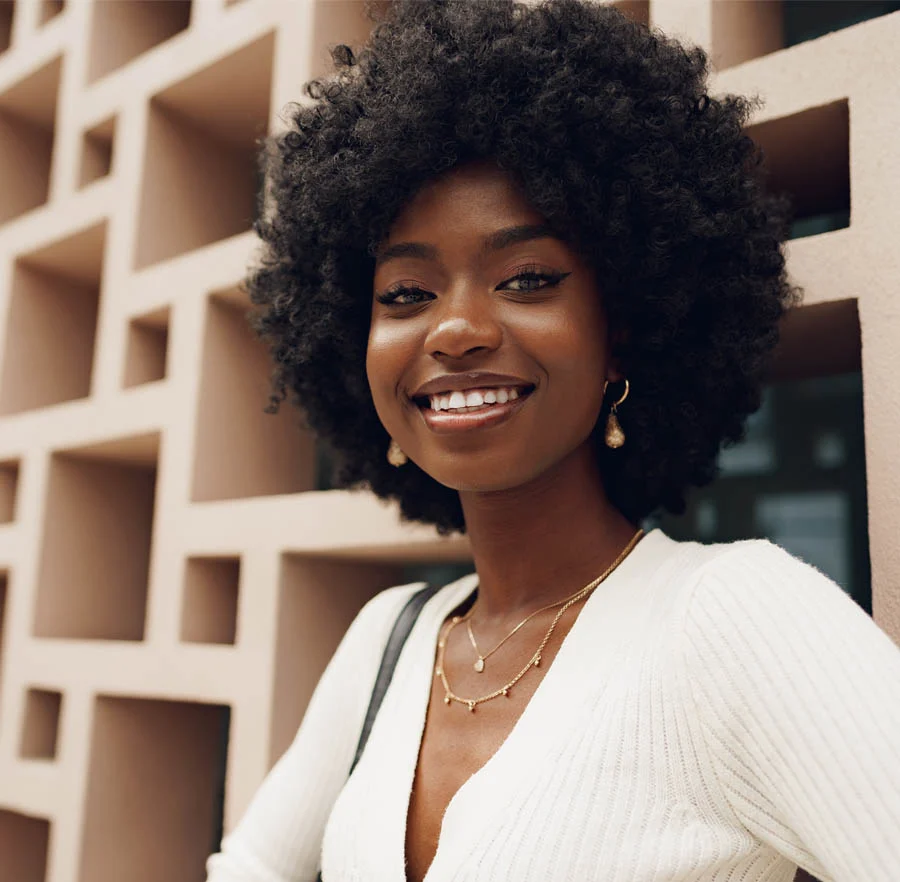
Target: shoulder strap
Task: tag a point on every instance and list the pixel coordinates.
(401, 630)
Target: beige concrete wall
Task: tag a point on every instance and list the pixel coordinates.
(162, 554)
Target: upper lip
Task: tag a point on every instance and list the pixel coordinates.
(468, 380)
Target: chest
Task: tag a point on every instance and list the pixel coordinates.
(457, 743)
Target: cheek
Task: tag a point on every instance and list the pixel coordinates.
(387, 355)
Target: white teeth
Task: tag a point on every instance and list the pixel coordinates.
(468, 400)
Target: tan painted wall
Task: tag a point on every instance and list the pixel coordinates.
(161, 556)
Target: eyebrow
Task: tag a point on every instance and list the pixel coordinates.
(495, 242)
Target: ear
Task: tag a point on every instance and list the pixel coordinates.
(615, 341)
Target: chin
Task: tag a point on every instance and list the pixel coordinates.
(476, 474)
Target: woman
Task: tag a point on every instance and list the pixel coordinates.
(521, 275)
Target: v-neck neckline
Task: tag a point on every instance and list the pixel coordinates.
(560, 692)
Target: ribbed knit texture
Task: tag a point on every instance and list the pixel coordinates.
(717, 712)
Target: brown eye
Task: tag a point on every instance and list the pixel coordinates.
(404, 295)
(532, 280)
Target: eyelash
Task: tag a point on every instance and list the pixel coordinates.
(530, 273)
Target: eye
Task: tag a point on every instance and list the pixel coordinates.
(404, 295)
(531, 279)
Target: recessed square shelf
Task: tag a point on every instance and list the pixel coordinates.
(807, 156)
(147, 348)
(200, 174)
(337, 21)
(122, 31)
(155, 778)
(820, 340)
(49, 9)
(27, 124)
(638, 10)
(240, 450)
(9, 486)
(746, 29)
(7, 11)
(41, 729)
(210, 607)
(95, 555)
(52, 323)
(24, 842)
(317, 599)
(97, 152)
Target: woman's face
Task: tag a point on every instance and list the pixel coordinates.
(487, 351)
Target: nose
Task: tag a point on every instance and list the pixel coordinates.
(464, 324)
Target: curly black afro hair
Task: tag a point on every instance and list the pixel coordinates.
(608, 128)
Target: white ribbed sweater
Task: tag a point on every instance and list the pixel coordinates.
(720, 712)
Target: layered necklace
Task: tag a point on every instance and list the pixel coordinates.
(535, 660)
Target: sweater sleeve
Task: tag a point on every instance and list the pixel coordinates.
(279, 837)
(797, 692)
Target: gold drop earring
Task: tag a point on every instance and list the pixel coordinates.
(614, 436)
(395, 456)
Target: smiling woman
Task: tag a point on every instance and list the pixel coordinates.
(520, 274)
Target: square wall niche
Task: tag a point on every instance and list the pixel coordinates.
(155, 786)
(638, 10)
(807, 156)
(95, 553)
(49, 9)
(7, 11)
(334, 22)
(747, 29)
(210, 607)
(97, 152)
(240, 450)
(9, 487)
(820, 340)
(27, 124)
(41, 729)
(24, 842)
(317, 599)
(200, 174)
(52, 323)
(147, 348)
(122, 31)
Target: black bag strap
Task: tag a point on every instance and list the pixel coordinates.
(401, 630)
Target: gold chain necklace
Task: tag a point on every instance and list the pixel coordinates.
(535, 660)
(467, 618)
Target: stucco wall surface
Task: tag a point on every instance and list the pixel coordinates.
(167, 571)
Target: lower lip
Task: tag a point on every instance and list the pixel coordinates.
(444, 422)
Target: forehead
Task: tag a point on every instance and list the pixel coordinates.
(475, 198)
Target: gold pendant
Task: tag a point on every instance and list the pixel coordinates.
(615, 437)
(537, 660)
(447, 699)
(479, 665)
(471, 707)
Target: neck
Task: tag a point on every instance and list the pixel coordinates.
(543, 541)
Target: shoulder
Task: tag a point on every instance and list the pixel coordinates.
(755, 579)
(754, 612)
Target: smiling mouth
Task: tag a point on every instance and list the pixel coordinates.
(449, 413)
(472, 400)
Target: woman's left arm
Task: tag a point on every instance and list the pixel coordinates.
(798, 694)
